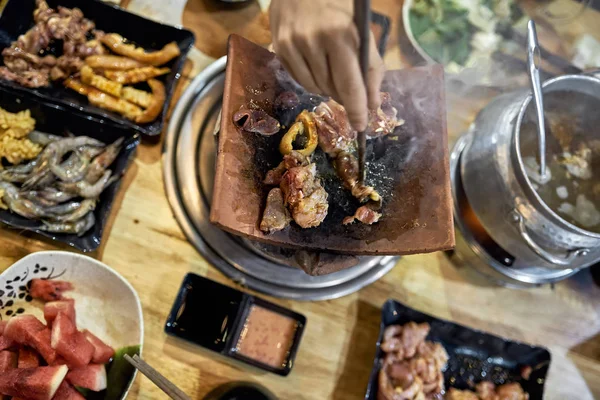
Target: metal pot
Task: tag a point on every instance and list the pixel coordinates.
(502, 196)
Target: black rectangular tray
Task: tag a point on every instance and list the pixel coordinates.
(474, 356)
(56, 120)
(17, 18)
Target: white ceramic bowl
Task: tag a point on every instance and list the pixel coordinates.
(105, 303)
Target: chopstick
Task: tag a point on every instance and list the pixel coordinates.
(362, 20)
(163, 383)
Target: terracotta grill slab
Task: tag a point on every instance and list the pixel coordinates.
(411, 172)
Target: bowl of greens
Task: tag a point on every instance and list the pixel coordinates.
(460, 33)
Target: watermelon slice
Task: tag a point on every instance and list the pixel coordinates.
(28, 358)
(75, 349)
(6, 343)
(62, 328)
(102, 352)
(22, 328)
(41, 342)
(91, 377)
(39, 383)
(8, 360)
(48, 290)
(52, 309)
(67, 392)
(2, 326)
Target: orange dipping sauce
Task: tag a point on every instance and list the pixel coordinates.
(267, 337)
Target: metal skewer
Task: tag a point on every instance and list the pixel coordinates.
(362, 20)
(533, 56)
(163, 383)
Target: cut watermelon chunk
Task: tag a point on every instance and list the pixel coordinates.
(75, 349)
(6, 343)
(102, 352)
(91, 377)
(48, 290)
(2, 326)
(28, 358)
(41, 343)
(8, 360)
(39, 383)
(22, 328)
(62, 328)
(52, 309)
(67, 392)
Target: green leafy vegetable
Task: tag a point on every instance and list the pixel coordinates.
(120, 373)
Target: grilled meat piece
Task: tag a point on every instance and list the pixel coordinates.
(276, 216)
(364, 214)
(333, 127)
(346, 167)
(294, 159)
(412, 367)
(304, 196)
(383, 120)
(256, 120)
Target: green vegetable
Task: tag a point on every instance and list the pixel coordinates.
(120, 373)
(442, 29)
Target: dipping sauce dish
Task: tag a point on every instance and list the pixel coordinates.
(236, 325)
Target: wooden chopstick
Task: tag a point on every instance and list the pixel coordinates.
(163, 383)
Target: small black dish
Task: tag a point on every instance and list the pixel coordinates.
(214, 316)
(53, 119)
(474, 356)
(240, 391)
(17, 18)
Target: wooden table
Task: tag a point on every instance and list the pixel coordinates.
(144, 243)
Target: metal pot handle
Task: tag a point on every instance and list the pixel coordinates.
(551, 258)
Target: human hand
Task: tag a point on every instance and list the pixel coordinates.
(318, 44)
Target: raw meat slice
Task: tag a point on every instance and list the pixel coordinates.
(48, 290)
(41, 342)
(62, 328)
(2, 326)
(91, 377)
(67, 392)
(22, 328)
(52, 309)
(39, 383)
(76, 350)
(28, 358)
(8, 360)
(102, 352)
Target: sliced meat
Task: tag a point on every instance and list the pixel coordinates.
(256, 121)
(346, 168)
(294, 159)
(384, 120)
(455, 394)
(511, 391)
(276, 216)
(304, 196)
(333, 127)
(363, 214)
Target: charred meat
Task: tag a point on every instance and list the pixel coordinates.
(276, 216)
(384, 120)
(256, 120)
(304, 195)
(364, 214)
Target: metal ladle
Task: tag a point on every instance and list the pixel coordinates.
(533, 58)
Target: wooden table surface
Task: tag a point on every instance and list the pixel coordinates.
(144, 243)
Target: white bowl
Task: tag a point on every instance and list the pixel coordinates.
(105, 303)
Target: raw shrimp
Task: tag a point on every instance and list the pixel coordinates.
(85, 189)
(78, 227)
(19, 205)
(103, 161)
(42, 138)
(76, 169)
(62, 209)
(86, 206)
(55, 195)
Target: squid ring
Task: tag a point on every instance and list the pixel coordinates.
(304, 125)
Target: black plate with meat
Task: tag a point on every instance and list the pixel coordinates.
(474, 356)
(55, 120)
(17, 18)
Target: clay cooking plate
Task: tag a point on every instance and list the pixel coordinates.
(411, 172)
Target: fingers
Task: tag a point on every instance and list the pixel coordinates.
(374, 75)
(348, 81)
(317, 62)
(295, 64)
